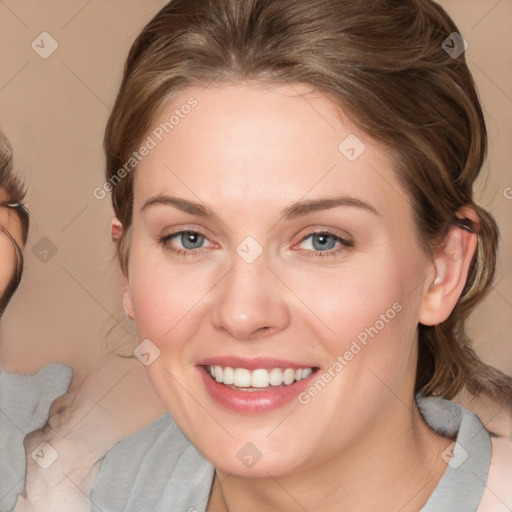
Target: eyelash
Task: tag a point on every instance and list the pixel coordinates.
(344, 244)
(182, 252)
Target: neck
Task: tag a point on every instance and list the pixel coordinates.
(395, 465)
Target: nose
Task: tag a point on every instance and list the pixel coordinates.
(250, 301)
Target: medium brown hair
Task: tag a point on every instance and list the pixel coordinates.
(13, 186)
(381, 61)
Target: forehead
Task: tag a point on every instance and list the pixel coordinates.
(247, 145)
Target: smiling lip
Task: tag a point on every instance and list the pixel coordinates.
(252, 401)
(252, 364)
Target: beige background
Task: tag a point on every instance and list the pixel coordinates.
(54, 111)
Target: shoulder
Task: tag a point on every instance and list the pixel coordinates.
(25, 401)
(468, 458)
(50, 381)
(27, 398)
(160, 440)
(149, 469)
(498, 492)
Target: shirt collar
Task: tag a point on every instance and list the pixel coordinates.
(462, 485)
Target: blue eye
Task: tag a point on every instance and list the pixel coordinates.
(190, 241)
(323, 243)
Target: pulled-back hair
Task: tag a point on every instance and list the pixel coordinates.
(12, 185)
(382, 62)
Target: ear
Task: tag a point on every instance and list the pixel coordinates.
(127, 302)
(116, 229)
(451, 265)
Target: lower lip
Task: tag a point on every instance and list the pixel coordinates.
(252, 402)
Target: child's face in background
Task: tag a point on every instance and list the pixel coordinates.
(10, 221)
(248, 154)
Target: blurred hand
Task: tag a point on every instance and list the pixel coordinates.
(64, 457)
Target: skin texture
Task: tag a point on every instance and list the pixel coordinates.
(247, 153)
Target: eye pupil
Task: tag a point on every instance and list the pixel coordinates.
(191, 240)
(323, 241)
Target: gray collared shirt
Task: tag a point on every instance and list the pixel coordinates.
(157, 469)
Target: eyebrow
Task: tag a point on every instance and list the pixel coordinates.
(295, 210)
(303, 208)
(181, 204)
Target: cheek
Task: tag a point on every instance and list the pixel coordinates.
(7, 262)
(166, 298)
(365, 318)
(352, 299)
(369, 347)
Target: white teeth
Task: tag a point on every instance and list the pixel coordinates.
(276, 377)
(228, 376)
(242, 378)
(306, 372)
(289, 376)
(260, 378)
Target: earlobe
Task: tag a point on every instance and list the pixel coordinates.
(116, 229)
(127, 303)
(451, 266)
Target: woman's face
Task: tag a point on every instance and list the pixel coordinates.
(10, 221)
(301, 256)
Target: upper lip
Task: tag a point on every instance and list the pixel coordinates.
(253, 363)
